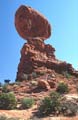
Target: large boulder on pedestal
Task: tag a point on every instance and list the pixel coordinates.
(31, 24)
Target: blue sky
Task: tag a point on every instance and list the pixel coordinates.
(63, 17)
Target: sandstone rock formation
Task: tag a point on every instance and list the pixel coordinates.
(43, 84)
(35, 54)
(30, 24)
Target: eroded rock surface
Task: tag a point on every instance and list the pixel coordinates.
(31, 24)
(34, 56)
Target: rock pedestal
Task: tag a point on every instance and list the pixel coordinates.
(34, 55)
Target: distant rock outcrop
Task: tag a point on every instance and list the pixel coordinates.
(35, 54)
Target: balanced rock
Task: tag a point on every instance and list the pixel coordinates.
(35, 54)
(30, 24)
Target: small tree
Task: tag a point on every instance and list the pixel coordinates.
(7, 81)
(0, 84)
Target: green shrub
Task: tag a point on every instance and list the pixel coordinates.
(50, 104)
(12, 118)
(66, 74)
(7, 101)
(69, 108)
(45, 106)
(41, 73)
(34, 75)
(56, 104)
(62, 88)
(3, 117)
(55, 100)
(5, 88)
(27, 102)
(54, 95)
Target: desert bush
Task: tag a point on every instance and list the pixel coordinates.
(54, 95)
(55, 99)
(7, 101)
(50, 104)
(34, 75)
(45, 106)
(3, 117)
(57, 104)
(41, 73)
(27, 103)
(66, 74)
(69, 108)
(5, 88)
(62, 88)
(12, 118)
